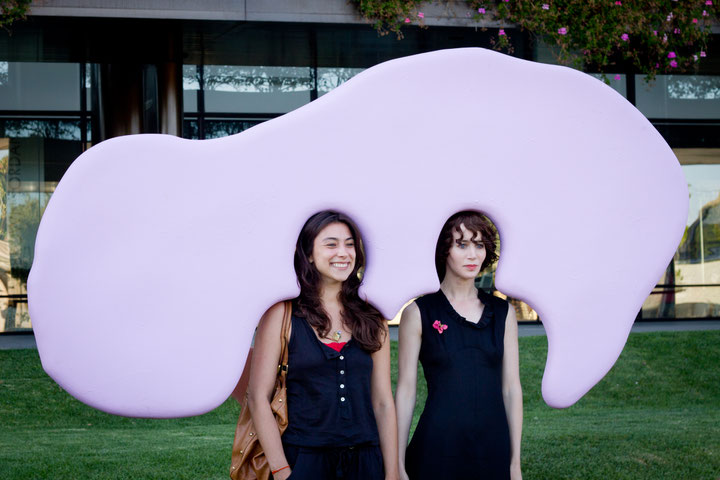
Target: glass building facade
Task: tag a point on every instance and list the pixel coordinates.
(44, 126)
(56, 94)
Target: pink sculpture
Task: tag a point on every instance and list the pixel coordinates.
(156, 255)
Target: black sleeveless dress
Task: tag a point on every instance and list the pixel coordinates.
(463, 431)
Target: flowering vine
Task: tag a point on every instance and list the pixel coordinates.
(390, 15)
(11, 10)
(649, 36)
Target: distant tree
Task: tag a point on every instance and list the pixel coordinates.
(59, 129)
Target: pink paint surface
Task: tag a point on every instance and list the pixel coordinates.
(156, 256)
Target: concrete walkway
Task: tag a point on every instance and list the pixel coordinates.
(18, 341)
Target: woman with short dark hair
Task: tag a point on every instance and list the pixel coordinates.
(467, 342)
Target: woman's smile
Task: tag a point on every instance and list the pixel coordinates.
(334, 252)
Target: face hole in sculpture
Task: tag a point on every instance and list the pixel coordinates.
(480, 223)
(467, 233)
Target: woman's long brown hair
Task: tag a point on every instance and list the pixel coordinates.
(364, 321)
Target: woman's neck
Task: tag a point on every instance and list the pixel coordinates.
(330, 295)
(458, 288)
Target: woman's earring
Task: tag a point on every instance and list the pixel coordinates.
(360, 273)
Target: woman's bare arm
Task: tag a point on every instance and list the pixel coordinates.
(384, 408)
(263, 372)
(512, 392)
(410, 337)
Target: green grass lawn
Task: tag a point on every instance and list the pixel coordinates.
(654, 416)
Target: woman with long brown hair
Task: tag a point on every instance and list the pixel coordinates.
(467, 342)
(341, 413)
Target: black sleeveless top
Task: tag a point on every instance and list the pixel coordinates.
(463, 430)
(328, 392)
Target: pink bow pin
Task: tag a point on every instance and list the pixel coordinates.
(439, 326)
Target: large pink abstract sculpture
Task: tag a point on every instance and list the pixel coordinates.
(156, 255)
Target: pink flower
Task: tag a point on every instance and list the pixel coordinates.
(655, 32)
(695, 57)
(704, 14)
(708, 2)
(562, 31)
(665, 38)
(618, 3)
(421, 15)
(702, 54)
(672, 55)
(439, 326)
(673, 63)
(625, 37)
(545, 6)
(407, 20)
(657, 65)
(617, 77)
(669, 17)
(506, 1)
(676, 31)
(695, 20)
(501, 32)
(481, 11)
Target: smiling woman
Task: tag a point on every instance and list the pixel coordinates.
(341, 417)
(334, 252)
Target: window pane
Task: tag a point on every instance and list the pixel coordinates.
(29, 128)
(88, 85)
(617, 81)
(224, 128)
(682, 302)
(690, 286)
(39, 86)
(255, 89)
(34, 154)
(698, 258)
(679, 96)
(191, 86)
(190, 129)
(331, 78)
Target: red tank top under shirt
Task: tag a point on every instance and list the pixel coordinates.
(337, 346)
